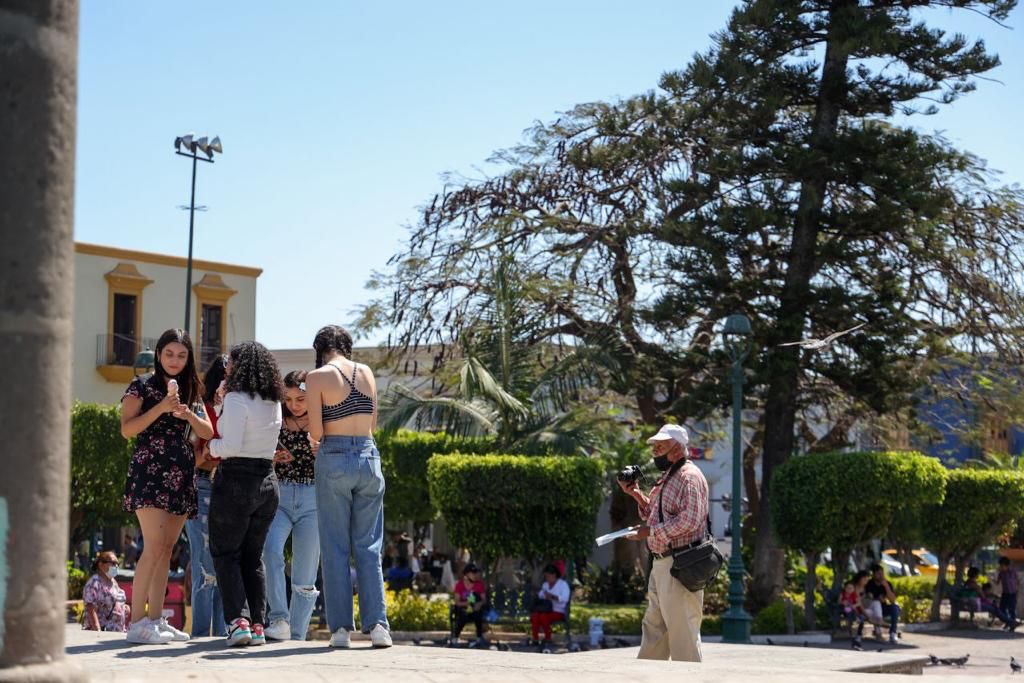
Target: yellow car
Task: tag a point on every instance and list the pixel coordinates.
(927, 563)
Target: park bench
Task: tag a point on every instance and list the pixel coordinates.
(511, 608)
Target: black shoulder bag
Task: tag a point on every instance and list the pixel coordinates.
(695, 565)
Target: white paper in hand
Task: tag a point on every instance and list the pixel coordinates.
(608, 538)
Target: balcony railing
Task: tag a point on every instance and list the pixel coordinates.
(120, 349)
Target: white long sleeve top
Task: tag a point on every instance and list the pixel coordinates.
(248, 427)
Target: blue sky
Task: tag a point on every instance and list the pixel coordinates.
(338, 118)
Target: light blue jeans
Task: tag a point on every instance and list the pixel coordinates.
(296, 517)
(207, 607)
(350, 503)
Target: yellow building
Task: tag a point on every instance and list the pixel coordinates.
(124, 300)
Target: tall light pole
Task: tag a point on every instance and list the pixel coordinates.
(736, 621)
(192, 149)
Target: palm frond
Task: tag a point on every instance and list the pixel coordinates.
(402, 407)
(478, 382)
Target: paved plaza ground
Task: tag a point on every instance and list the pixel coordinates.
(109, 659)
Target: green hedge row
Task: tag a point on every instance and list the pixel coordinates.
(519, 506)
(404, 455)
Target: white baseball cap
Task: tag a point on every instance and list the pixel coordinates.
(673, 432)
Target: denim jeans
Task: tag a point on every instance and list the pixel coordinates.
(350, 507)
(207, 608)
(296, 517)
(242, 507)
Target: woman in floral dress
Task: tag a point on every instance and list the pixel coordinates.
(105, 608)
(161, 410)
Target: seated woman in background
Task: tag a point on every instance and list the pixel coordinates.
(106, 608)
(552, 601)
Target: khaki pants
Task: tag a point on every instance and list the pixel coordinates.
(671, 628)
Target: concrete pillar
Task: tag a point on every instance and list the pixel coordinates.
(38, 64)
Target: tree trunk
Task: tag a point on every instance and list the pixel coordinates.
(940, 587)
(784, 364)
(810, 588)
(623, 512)
(840, 568)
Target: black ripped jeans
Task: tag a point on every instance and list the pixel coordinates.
(243, 502)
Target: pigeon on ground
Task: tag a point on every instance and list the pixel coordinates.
(881, 649)
(621, 642)
(770, 641)
(959, 661)
(415, 641)
(1014, 666)
(935, 660)
(504, 647)
(807, 643)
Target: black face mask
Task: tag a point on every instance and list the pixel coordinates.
(662, 462)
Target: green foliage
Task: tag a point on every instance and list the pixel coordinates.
(99, 466)
(615, 585)
(619, 620)
(772, 619)
(913, 587)
(814, 509)
(519, 506)
(404, 455)
(915, 610)
(409, 611)
(795, 579)
(711, 625)
(980, 505)
(76, 581)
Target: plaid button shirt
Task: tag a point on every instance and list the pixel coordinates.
(686, 510)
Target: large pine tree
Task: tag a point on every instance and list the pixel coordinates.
(831, 215)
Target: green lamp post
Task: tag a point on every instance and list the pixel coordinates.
(736, 621)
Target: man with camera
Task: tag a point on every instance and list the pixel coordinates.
(675, 515)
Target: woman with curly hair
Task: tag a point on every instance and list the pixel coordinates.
(341, 398)
(245, 493)
(160, 410)
(296, 518)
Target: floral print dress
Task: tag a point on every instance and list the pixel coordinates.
(110, 604)
(162, 472)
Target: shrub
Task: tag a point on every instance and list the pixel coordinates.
(711, 625)
(619, 620)
(716, 596)
(813, 508)
(615, 585)
(771, 619)
(913, 587)
(99, 466)
(408, 611)
(915, 610)
(980, 506)
(76, 582)
(519, 506)
(403, 458)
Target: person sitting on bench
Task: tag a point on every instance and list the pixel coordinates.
(470, 603)
(550, 606)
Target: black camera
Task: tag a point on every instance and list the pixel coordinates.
(630, 474)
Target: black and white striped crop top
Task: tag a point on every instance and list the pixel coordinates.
(356, 403)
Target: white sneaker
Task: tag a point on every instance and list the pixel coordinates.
(380, 637)
(341, 638)
(145, 632)
(239, 633)
(164, 627)
(279, 630)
